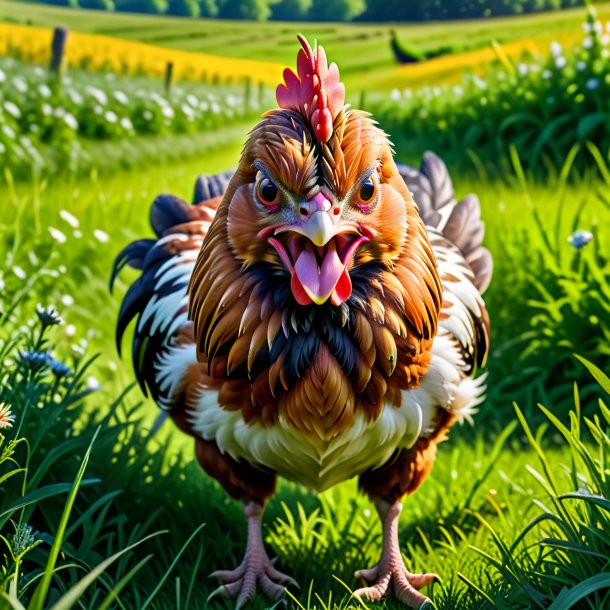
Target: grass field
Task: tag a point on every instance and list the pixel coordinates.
(548, 301)
(361, 50)
(439, 524)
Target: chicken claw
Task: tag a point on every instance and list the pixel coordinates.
(255, 569)
(391, 569)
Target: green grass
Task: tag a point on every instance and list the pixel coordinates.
(359, 49)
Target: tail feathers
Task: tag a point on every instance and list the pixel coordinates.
(166, 212)
(158, 298)
(459, 222)
(209, 187)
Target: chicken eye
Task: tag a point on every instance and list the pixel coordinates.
(267, 193)
(367, 194)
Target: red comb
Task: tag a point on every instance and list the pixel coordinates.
(315, 91)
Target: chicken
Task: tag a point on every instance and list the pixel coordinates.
(305, 318)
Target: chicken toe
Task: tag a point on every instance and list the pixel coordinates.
(390, 573)
(255, 570)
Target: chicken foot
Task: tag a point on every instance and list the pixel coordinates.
(255, 569)
(391, 569)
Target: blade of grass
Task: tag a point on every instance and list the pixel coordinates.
(40, 594)
(171, 567)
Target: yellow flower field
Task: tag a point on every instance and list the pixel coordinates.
(450, 68)
(95, 52)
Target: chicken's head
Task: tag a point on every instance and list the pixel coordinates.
(317, 198)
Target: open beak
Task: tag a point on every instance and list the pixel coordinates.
(317, 253)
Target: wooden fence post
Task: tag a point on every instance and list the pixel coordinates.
(58, 48)
(169, 77)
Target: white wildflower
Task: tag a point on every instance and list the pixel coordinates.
(547, 74)
(57, 235)
(586, 27)
(67, 300)
(70, 330)
(98, 110)
(92, 383)
(69, 218)
(605, 40)
(587, 43)
(47, 109)
(59, 112)
(148, 115)
(598, 27)
(75, 97)
(19, 272)
(120, 97)
(12, 109)
(111, 117)
(20, 85)
(44, 90)
(100, 97)
(556, 49)
(126, 124)
(7, 419)
(560, 62)
(192, 100)
(101, 236)
(581, 65)
(9, 132)
(71, 122)
(2, 76)
(522, 69)
(77, 233)
(168, 112)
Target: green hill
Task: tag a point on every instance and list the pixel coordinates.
(357, 48)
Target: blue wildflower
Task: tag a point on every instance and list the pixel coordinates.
(579, 239)
(35, 360)
(59, 369)
(48, 316)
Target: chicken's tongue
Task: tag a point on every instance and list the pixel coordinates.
(311, 282)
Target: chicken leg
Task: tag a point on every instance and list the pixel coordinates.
(255, 569)
(391, 569)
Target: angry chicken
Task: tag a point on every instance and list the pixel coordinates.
(316, 315)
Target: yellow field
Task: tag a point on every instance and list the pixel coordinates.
(95, 52)
(450, 68)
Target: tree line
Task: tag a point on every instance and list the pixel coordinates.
(327, 10)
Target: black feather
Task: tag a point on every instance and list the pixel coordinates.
(166, 212)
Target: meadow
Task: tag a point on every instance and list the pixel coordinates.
(362, 50)
(516, 512)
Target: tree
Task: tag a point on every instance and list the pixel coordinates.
(337, 10)
(70, 3)
(184, 8)
(256, 10)
(98, 5)
(142, 6)
(208, 8)
(291, 10)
